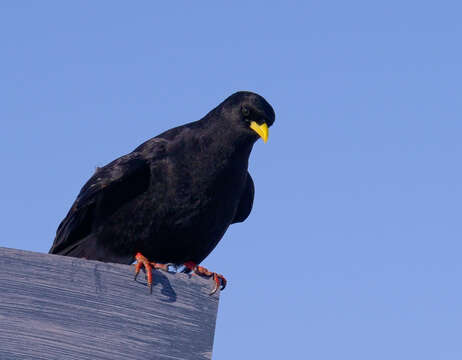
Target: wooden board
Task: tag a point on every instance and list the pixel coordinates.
(57, 307)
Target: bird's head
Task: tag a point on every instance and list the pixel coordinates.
(249, 113)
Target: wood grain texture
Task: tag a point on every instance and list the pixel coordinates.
(56, 307)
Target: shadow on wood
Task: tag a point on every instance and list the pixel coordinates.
(56, 307)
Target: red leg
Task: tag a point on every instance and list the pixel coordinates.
(220, 281)
(141, 260)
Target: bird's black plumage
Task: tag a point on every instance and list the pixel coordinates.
(174, 196)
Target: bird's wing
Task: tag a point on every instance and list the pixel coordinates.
(245, 205)
(107, 190)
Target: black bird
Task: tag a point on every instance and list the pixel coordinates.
(172, 199)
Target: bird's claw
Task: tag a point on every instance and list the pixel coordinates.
(141, 261)
(219, 280)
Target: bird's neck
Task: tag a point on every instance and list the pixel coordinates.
(228, 148)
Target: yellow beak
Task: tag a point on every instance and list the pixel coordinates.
(261, 130)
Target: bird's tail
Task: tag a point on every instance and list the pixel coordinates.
(87, 248)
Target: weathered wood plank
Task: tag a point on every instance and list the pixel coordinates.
(56, 307)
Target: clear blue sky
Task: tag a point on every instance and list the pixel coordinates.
(353, 249)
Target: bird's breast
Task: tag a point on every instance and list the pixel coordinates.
(198, 192)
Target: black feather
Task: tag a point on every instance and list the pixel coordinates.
(174, 196)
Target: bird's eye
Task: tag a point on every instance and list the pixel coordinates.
(245, 111)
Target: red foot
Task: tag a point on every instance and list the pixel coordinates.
(220, 281)
(148, 266)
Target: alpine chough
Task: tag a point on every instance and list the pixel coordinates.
(172, 199)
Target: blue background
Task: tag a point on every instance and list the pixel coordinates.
(353, 249)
